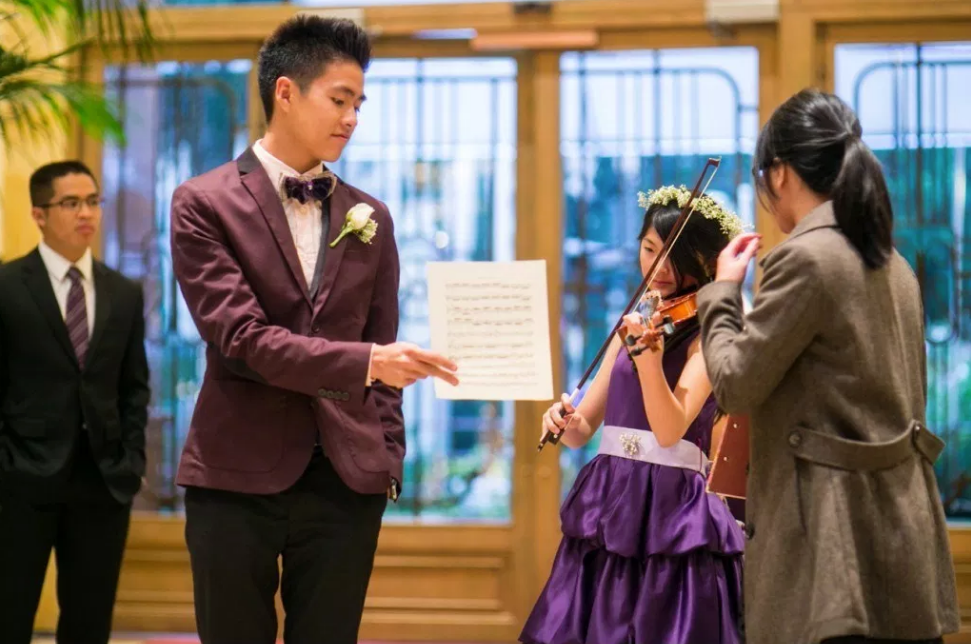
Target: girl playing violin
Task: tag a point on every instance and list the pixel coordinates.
(648, 555)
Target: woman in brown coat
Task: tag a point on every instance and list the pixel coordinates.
(847, 540)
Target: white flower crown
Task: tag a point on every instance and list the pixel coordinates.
(730, 223)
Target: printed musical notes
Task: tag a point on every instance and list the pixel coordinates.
(491, 318)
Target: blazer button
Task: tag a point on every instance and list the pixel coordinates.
(315, 329)
(749, 531)
(795, 439)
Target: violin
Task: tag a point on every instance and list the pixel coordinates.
(662, 318)
(678, 311)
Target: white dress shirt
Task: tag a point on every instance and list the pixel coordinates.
(305, 220)
(57, 268)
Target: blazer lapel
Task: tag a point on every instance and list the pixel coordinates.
(258, 184)
(102, 306)
(339, 205)
(38, 282)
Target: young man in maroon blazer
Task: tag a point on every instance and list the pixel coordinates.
(291, 276)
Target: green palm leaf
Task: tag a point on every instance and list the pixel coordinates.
(40, 93)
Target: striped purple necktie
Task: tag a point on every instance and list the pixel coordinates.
(77, 315)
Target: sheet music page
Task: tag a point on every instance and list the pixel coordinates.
(491, 319)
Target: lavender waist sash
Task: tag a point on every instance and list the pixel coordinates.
(642, 445)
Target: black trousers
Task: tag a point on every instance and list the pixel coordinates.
(325, 533)
(87, 528)
(858, 639)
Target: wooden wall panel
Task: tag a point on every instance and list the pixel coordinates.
(961, 550)
(429, 583)
(436, 583)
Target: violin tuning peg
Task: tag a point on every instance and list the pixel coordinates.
(668, 325)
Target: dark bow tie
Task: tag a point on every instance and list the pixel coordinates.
(318, 188)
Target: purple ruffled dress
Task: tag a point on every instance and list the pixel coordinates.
(648, 556)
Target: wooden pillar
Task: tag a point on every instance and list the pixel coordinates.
(796, 65)
(539, 205)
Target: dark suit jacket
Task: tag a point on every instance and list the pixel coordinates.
(47, 400)
(281, 364)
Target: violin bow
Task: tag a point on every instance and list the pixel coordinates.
(673, 236)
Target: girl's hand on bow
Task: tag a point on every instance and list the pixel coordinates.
(560, 417)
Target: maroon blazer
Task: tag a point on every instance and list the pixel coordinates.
(281, 365)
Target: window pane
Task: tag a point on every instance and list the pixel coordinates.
(633, 121)
(437, 143)
(180, 120)
(913, 103)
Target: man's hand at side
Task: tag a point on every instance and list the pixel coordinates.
(401, 364)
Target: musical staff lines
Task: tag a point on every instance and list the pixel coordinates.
(491, 319)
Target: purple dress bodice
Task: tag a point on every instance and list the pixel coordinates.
(625, 406)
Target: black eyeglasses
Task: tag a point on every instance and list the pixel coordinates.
(759, 173)
(72, 205)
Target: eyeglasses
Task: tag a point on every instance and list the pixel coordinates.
(759, 173)
(72, 205)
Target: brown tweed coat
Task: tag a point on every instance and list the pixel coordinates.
(846, 533)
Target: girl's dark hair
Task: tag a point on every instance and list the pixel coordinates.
(696, 251)
(693, 255)
(818, 136)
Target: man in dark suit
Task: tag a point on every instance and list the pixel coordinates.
(73, 409)
(297, 439)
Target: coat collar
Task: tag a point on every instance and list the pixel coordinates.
(267, 197)
(58, 265)
(258, 183)
(822, 216)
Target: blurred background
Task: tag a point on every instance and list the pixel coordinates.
(495, 131)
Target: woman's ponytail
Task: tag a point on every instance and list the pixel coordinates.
(861, 203)
(818, 136)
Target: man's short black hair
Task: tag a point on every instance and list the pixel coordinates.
(43, 178)
(301, 48)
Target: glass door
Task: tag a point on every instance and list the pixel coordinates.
(182, 118)
(437, 143)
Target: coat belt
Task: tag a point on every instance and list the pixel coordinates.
(824, 449)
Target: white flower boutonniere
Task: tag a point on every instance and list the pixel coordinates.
(359, 222)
